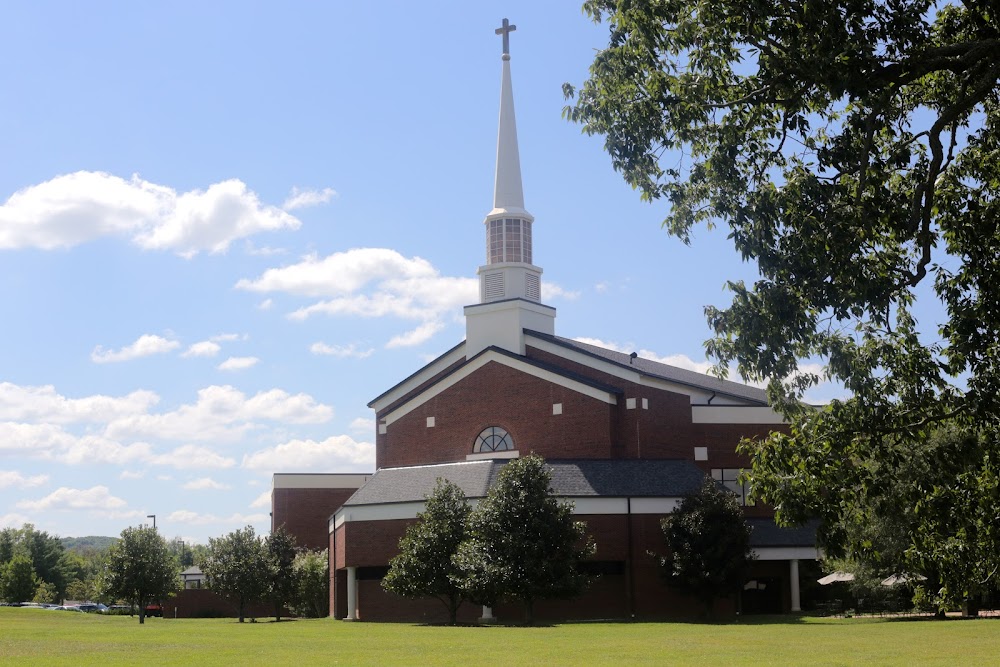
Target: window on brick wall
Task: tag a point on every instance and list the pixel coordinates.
(730, 478)
(493, 439)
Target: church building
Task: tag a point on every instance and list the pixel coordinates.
(626, 439)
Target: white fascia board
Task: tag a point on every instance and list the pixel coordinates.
(593, 362)
(695, 393)
(587, 505)
(418, 378)
(318, 481)
(787, 553)
(735, 414)
(485, 358)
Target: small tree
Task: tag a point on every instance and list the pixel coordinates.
(139, 569)
(708, 544)
(312, 583)
(237, 567)
(523, 543)
(280, 549)
(18, 582)
(424, 566)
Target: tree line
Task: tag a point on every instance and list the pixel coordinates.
(142, 567)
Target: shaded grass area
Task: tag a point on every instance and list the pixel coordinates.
(34, 636)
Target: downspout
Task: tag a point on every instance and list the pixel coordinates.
(710, 398)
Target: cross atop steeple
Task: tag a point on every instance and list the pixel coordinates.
(505, 30)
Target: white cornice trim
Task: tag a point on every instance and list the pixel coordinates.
(787, 553)
(735, 414)
(418, 378)
(319, 480)
(582, 506)
(493, 356)
(637, 376)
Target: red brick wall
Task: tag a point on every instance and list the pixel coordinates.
(305, 513)
(497, 395)
(663, 430)
(202, 602)
(373, 543)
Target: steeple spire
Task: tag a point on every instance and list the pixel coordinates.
(510, 285)
(508, 196)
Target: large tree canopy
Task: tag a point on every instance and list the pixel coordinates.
(853, 149)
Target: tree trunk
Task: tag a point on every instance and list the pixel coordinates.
(529, 612)
(241, 610)
(277, 611)
(453, 603)
(142, 611)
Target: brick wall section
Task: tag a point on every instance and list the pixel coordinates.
(305, 513)
(497, 395)
(641, 588)
(663, 431)
(202, 603)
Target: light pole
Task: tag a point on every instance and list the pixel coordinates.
(153, 517)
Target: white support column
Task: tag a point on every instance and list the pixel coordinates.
(487, 616)
(352, 594)
(793, 575)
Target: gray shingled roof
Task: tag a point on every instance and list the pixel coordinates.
(766, 533)
(577, 478)
(660, 370)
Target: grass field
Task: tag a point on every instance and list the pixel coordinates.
(35, 636)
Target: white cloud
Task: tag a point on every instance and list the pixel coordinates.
(341, 351)
(79, 207)
(193, 457)
(238, 363)
(378, 282)
(262, 251)
(266, 304)
(194, 518)
(13, 520)
(335, 453)
(205, 348)
(131, 474)
(221, 413)
(12, 478)
(204, 483)
(144, 346)
(91, 449)
(53, 443)
(228, 337)
(263, 500)
(552, 291)
(362, 425)
(65, 498)
(305, 197)
(417, 336)
(43, 404)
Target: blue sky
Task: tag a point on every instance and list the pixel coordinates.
(225, 227)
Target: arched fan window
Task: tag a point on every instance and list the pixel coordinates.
(493, 439)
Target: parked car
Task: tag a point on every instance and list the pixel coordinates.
(154, 609)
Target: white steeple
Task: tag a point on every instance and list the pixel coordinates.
(510, 286)
(508, 196)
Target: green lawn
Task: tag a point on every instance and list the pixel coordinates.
(34, 636)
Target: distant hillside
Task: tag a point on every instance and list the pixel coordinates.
(95, 542)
